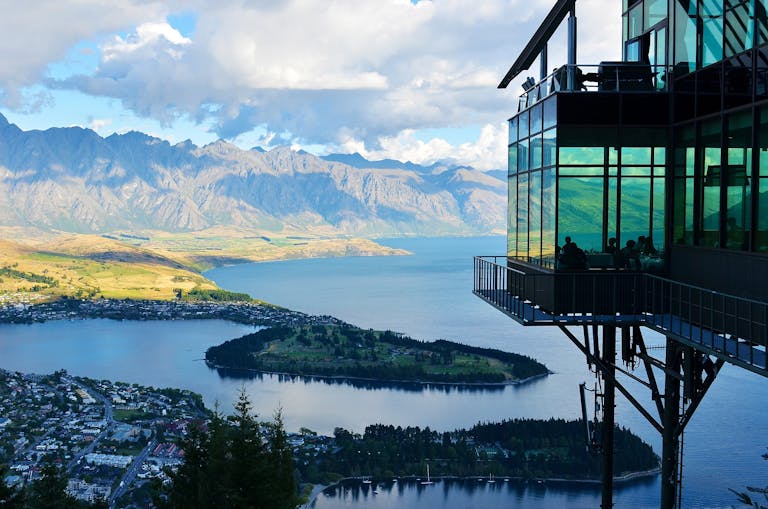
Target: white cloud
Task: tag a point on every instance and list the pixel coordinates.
(344, 73)
(487, 152)
(99, 124)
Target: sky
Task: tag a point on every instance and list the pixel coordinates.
(403, 79)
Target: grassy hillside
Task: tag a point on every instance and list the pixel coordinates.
(90, 267)
(39, 265)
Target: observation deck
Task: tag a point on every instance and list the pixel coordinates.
(732, 328)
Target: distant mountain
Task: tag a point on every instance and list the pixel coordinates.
(74, 180)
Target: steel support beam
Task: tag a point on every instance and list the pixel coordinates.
(609, 406)
(670, 436)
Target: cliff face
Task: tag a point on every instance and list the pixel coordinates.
(72, 179)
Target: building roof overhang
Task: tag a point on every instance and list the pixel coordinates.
(539, 40)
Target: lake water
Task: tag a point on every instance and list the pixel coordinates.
(428, 296)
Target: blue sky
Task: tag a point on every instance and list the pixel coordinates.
(410, 80)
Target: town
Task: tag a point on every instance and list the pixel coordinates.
(250, 313)
(116, 442)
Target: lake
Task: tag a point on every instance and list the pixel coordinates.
(427, 296)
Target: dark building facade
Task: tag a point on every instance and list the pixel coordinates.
(638, 197)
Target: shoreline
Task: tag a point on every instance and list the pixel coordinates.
(343, 378)
(629, 477)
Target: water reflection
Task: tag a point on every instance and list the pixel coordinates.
(357, 383)
(463, 492)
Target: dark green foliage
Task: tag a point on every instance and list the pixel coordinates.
(527, 448)
(356, 347)
(215, 295)
(235, 463)
(28, 276)
(10, 498)
(48, 492)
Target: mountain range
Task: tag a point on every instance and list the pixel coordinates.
(73, 180)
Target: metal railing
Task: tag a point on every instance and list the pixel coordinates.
(733, 327)
(604, 77)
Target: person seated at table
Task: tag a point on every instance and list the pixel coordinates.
(630, 258)
(572, 256)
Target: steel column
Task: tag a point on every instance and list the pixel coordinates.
(670, 440)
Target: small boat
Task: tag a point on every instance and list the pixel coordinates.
(366, 480)
(427, 481)
(490, 479)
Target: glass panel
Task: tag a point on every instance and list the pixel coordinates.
(582, 155)
(522, 128)
(512, 217)
(711, 12)
(550, 147)
(659, 156)
(762, 21)
(761, 235)
(738, 81)
(535, 152)
(581, 170)
(739, 27)
(660, 65)
(536, 119)
(635, 155)
(512, 159)
(738, 176)
(513, 130)
(613, 155)
(683, 225)
(550, 112)
(522, 215)
(548, 213)
(624, 29)
(685, 36)
(534, 215)
(658, 236)
(635, 211)
(522, 156)
(710, 209)
(636, 171)
(580, 212)
(613, 194)
(635, 21)
(633, 51)
(655, 12)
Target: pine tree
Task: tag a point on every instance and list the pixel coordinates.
(235, 463)
(49, 492)
(10, 498)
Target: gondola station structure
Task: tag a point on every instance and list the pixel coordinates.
(638, 200)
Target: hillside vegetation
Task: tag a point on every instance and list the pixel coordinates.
(347, 351)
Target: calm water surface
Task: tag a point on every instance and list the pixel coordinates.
(428, 296)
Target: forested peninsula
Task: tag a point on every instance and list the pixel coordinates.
(523, 448)
(349, 352)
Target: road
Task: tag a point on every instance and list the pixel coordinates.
(108, 418)
(130, 473)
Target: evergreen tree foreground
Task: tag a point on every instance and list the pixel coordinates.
(235, 462)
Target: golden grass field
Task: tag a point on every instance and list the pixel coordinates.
(37, 266)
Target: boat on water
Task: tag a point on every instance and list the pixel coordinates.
(428, 481)
(366, 480)
(491, 479)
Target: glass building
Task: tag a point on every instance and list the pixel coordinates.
(660, 145)
(638, 198)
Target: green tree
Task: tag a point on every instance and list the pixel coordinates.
(236, 463)
(49, 492)
(10, 498)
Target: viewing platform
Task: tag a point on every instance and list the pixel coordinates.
(732, 328)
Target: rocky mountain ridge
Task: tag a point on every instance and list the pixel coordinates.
(73, 180)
